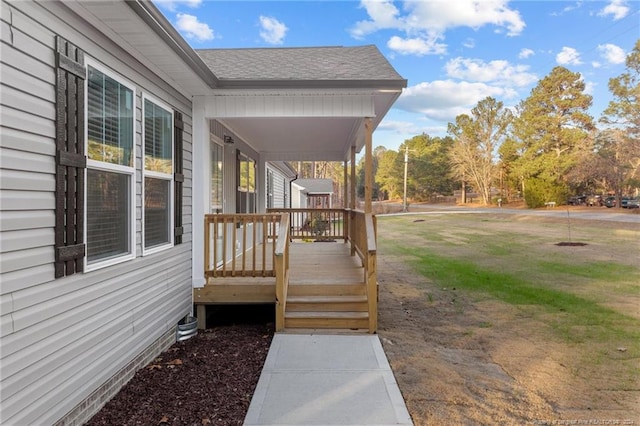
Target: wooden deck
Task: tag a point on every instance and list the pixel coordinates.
(326, 287)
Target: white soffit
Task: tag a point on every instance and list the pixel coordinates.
(224, 104)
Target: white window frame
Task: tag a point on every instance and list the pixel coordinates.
(158, 175)
(108, 167)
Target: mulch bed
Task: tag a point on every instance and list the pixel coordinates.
(206, 380)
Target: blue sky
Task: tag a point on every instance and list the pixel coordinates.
(453, 53)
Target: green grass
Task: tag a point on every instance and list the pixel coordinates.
(583, 319)
(518, 264)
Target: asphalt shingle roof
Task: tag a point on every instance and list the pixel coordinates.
(360, 63)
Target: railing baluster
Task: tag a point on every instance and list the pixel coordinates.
(207, 260)
(225, 233)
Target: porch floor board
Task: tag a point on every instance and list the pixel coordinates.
(322, 263)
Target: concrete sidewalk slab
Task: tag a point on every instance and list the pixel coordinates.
(327, 380)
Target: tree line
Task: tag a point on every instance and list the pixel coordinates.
(545, 149)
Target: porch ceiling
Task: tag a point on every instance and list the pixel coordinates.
(299, 125)
(298, 138)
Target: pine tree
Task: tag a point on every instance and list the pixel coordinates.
(551, 128)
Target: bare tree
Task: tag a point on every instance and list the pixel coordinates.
(477, 138)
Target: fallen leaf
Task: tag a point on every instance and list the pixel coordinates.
(175, 362)
(206, 421)
(154, 367)
(622, 349)
(164, 420)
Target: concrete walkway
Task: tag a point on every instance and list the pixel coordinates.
(327, 380)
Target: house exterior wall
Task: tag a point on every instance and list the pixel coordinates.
(280, 187)
(298, 197)
(64, 339)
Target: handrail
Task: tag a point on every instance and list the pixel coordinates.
(281, 265)
(370, 232)
(364, 242)
(282, 242)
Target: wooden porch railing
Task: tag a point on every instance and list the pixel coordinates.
(257, 245)
(363, 238)
(232, 242)
(317, 224)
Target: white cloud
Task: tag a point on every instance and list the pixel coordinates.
(415, 46)
(172, 5)
(192, 28)
(429, 20)
(568, 56)
(590, 87)
(469, 43)
(617, 8)
(570, 8)
(526, 53)
(383, 15)
(612, 53)
(273, 31)
(400, 127)
(596, 64)
(441, 15)
(499, 71)
(446, 99)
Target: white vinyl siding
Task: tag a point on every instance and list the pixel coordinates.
(279, 188)
(64, 338)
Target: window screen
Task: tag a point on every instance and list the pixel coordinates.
(110, 172)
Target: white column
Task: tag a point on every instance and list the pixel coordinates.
(200, 189)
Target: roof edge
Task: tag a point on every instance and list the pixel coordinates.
(152, 16)
(307, 84)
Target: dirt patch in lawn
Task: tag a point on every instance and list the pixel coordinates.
(463, 359)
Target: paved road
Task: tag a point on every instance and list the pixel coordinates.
(595, 214)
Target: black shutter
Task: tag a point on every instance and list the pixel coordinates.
(70, 159)
(178, 128)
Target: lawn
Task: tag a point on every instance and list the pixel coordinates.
(582, 300)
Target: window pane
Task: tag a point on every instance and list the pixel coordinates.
(156, 212)
(109, 120)
(251, 175)
(216, 178)
(157, 138)
(107, 215)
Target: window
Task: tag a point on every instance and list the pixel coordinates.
(246, 177)
(270, 189)
(216, 177)
(110, 169)
(158, 175)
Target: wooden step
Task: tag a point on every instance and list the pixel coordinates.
(354, 289)
(357, 303)
(338, 320)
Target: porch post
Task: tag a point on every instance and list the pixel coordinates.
(352, 184)
(345, 203)
(199, 169)
(352, 201)
(345, 192)
(368, 165)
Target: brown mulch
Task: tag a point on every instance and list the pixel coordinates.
(170, 391)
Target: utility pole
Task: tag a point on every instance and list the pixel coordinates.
(406, 162)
